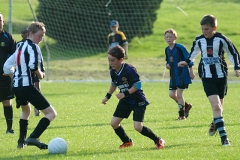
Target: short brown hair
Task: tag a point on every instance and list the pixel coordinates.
(210, 20)
(170, 30)
(117, 52)
(34, 27)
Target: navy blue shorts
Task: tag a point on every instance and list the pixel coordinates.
(215, 86)
(6, 92)
(32, 95)
(124, 109)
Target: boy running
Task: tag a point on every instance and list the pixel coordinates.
(179, 77)
(131, 98)
(213, 71)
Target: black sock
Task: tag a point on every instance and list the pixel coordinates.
(149, 133)
(186, 104)
(122, 134)
(23, 130)
(40, 128)
(181, 110)
(8, 113)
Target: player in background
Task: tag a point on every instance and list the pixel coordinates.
(26, 60)
(179, 76)
(24, 34)
(213, 72)
(117, 37)
(7, 47)
(131, 98)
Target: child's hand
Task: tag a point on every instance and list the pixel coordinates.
(182, 63)
(120, 95)
(104, 101)
(168, 66)
(237, 73)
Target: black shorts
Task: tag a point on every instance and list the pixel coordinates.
(32, 95)
(123, 110)
(173, 88)
(215, 86)
(6, 92)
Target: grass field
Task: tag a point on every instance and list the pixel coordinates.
(84, 123)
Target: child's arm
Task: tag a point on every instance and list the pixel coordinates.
(192, 75)
(125, 47)
(109, 94)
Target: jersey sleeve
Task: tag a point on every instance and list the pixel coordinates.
(9, 65)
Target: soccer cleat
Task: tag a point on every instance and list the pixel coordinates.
(37, 112)
(160, 144)
(226, 142)
(187, 109)
(10, 131)
(36, 142)
(21, 145)
(181, 118)
(126, 144)
(212, 130)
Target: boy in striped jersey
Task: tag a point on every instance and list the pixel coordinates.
(27, 60)
(211, 45)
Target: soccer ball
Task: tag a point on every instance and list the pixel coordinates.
(57, 146)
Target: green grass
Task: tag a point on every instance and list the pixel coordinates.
(84, 123)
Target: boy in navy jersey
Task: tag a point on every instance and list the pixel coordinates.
(179, 77)
(131, 98)
(7, 47)
(27, 60)
(211, 45)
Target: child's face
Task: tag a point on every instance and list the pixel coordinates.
(170, 38)
(114, 29)
(36, 37)
(114, 62)
(208, 31)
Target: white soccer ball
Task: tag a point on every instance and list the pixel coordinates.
(57, 146)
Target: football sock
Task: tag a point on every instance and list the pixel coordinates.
(23, 130)
(122, 134)
(186, 104)
(219, 122)
(42, 125)
(8, 113)
(149, 133)
(180, 110)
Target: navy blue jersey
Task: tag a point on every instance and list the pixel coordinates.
(179, 76)
(7, 47)
(124, 80)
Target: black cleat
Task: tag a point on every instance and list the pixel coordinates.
(21, 145)
(10, 131)
(36, 142)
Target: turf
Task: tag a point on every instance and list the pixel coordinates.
(84, 123)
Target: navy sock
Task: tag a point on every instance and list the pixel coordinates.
(8, 113)
(149, 133)
(41, 127)
(122, 134)
(23, 130)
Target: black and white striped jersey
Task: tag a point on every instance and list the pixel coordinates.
(212, 63)
(26, 59)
